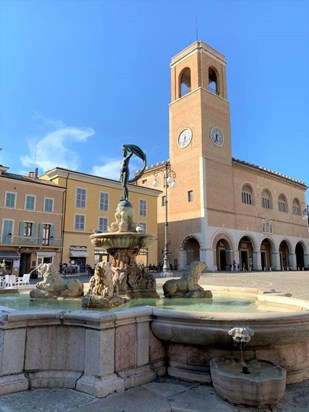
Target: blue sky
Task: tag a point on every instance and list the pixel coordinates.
(79, 78)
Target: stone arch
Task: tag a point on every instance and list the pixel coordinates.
(300, 255)
(191, 249)
(247, 194)
(213, 80)
(285, 249)
(184, 82)
(267, 248)
(246, 248)
(283, 203)
(266, 199)
(222, 246)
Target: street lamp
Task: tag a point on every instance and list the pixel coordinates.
(168, 180)
(306, 214)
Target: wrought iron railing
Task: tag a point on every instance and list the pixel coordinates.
(29, 241)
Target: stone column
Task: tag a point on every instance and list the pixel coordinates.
(203, 256)
(182, 261)
(292, 261)
(236, 258)
(210, 260)
(275, 264)
(257, 263)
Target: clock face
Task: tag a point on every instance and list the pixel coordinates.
(216, 136)
(184, 138)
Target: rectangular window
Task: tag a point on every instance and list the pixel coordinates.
(30, 202)
(267, 226)
(103, 224)
(246, 198)
(79, 222)
(163, 201)
(80, 200)
(46, 234)
(104, 200)
(142, 208)
(28, 229)
(266, 202)
(282, 205)
(10, 200)
(296, 209)
(48, 205)
(190, 196)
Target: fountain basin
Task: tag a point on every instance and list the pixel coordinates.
(122, 240)
(192, 339)
(101, 352)
(263, 386)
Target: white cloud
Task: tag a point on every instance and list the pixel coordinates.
(110, 169)
(55, 148)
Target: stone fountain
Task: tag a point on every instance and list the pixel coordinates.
(123, 241)
(248, 382)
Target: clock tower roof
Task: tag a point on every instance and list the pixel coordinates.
(197, 45)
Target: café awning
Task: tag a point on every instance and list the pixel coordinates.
(78, 253)
(9, 255)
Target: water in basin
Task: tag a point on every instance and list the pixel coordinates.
(219, 303)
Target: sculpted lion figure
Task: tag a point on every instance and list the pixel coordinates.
(187, 286)
(53, 285)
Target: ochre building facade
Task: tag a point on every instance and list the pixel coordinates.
(223, 211)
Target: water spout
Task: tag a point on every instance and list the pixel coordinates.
(241, 336)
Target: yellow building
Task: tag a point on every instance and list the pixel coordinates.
(30, 222)
(89, 206)
(223, 211)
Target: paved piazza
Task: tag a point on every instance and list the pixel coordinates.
(296, 283)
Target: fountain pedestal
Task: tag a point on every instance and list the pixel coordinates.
(262, 383)
(123, 243)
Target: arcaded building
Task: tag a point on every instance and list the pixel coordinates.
(226, 212)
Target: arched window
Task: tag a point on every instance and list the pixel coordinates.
(246, 195)
(282, 203)
(266, 200)
(213, 81)
(296, 207)
(185, 82)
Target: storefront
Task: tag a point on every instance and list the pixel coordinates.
(78, 256)
(9, 262)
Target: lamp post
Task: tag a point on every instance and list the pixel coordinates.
(306, 214)
(168, 180)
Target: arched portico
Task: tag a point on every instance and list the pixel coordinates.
(284, 255)
(245, 254)
(269, 255)
(223, 252)
(300, 256)
(189, 252)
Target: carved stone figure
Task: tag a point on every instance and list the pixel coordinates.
(241, 335)
(53, 286)
(103, 291)
(187, 286)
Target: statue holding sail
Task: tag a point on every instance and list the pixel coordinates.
(128, 151)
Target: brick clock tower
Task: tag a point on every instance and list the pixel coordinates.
(200, 152)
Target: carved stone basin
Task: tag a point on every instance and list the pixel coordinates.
(263, 386)
(193, 338)
(123, 240)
